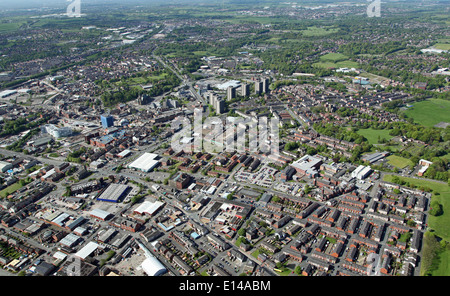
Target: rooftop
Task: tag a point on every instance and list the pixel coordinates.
(146, 162)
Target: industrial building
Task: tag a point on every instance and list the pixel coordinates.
(87, 250)
(113, 193)
(5, 166)
(374, 157)
(361, 172)
(70, 240)
(148, 207)
(7, 93)
(99, 214)
(152, 267)
(307, 165)
(145, 163)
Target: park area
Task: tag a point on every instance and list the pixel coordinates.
(374, 136)
(430, 112)
(335, 60)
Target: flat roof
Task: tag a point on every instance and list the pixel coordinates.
(307, 163)
(60, 219)
(99, 213)
(87, 250)
(113, 192)
(233, 83)
(149, 207)
(145, 162)
(69, 240)
(124, 153)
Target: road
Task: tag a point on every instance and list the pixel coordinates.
(48, 161)
(186, 81)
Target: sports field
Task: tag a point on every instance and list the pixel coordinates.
(430, 112)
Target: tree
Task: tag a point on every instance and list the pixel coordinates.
(307, 189)
(298, 270)
(242, 232)
(436, 209)
(291, 146)
(276, 199)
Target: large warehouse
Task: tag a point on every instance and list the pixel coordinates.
(153, 267)
(145, 163)
(148, 207)
(113, 193)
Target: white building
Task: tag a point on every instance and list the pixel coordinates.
(4, 166)
(87, 250)
(152, 267)
(56, 132)
(361, 172)
(148, 207)
(145, 163)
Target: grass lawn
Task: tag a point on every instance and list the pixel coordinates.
(393, 148)
(443, 268)
(10, 189)
(399, 162)
(442, 46)
(201, 53)
(334, 57)
(317, 31)
(255, 254)
(372, 135)
(10, 27)
(284, 271)
(335, 60)
(144, 79)
(430, 112)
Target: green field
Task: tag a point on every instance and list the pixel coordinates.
(372, 135)
(399, 162)
(9, 27)
(334, 57)
(10, 189)
(442, 46)
(443, 268)
(335, 60)
(319, 31)
(430, 112)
